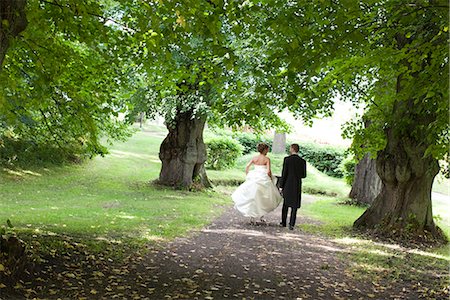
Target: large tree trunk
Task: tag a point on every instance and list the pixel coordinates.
(12, 21)
(366, 183)
(183, 153)
(403, 207)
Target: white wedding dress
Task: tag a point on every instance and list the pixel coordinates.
(258, 195)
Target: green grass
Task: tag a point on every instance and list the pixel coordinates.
(108, 198)
(335, 219)
(427, 272)
(375, 261)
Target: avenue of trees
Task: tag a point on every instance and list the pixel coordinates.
(68, 67)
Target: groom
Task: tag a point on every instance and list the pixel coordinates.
(294, 169)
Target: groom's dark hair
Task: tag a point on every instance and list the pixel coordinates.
(295, 147)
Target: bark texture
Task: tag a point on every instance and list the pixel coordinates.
(12, 21)
(183, 153)
(366, 183)
(404, 203)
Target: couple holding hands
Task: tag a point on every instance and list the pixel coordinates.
(261, 193)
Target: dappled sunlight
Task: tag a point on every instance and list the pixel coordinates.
(349, 241)
(44, 232)
(148, 236)
(380, 252)
(288, 237)
(174, 196)
(428, 254)
(125, 154)
(122, 215)
(236, 231)
(362, 244)
(389, 246)
(108, 239)
(21, 173)
(372, 268)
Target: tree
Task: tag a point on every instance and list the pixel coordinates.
(12, 22)
(190, 77)
(62, 76)
(366, 184)
(390, 57)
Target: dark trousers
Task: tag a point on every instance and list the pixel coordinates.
(284, 214)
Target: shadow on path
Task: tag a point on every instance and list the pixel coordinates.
(234, 259)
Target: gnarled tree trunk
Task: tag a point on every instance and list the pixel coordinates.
(183, 153)
(403, 207)
(12, 21)
(366, 184)
(404, 203)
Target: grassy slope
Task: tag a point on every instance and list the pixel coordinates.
(107, 197)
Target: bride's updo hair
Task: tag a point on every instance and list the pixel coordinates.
(262, 147)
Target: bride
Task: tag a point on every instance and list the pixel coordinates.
(258, 195)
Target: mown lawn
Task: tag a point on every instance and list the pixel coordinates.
(107, 198)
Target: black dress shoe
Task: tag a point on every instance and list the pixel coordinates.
(282, 224)
(291, 227)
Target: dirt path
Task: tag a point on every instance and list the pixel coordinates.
(233, 259)
(230, 259)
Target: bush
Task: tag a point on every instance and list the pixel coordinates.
(348, 165)
(325, 158)
(21, 152)
(222, 152)
(249, 141)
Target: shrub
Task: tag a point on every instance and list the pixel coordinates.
(249, 141)
(325, 158)
(222, 152)
(20, 152)
(348, 165)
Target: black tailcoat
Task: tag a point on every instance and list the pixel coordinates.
(294, 169)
